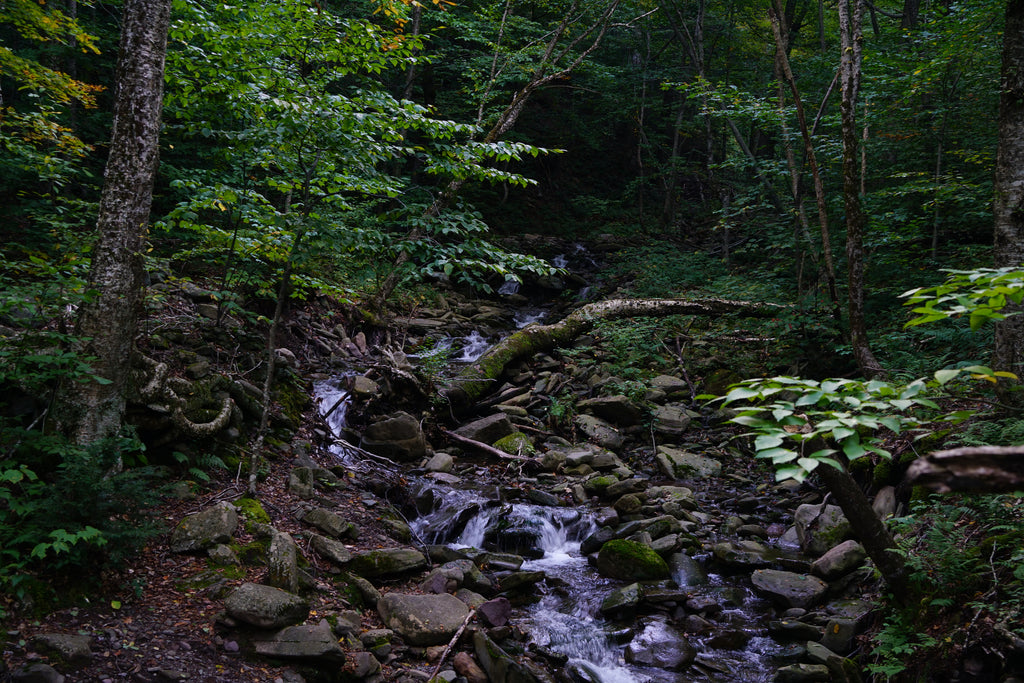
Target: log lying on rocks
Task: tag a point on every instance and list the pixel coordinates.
(478, 379)
(972, 469)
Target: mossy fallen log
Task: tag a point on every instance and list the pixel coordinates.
(479, 378)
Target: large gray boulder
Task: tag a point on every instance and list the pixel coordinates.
(282, 562)
(790, 589)
(306, 642)
(615, 409)
(203, 530)
(422, 620)
(842, 559)
(680, 464)
(487, 429)
(820, 528)
(661, 646)
(599, 431)
(387, 562)
(398, 437)
(331, 550)
(265, 606)
(670, 420)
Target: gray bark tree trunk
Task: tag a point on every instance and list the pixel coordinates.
(851, 39)
(93, 411)
(1009, 200)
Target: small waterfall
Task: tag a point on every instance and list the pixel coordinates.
(524, 317)
(510, 286)
(333, 401)
(560, 261)
(473, 347)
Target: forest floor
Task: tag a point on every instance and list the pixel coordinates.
(157, 618)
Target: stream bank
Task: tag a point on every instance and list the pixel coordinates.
(619, 536)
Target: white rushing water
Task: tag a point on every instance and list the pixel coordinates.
(473, 346)
(333, 401)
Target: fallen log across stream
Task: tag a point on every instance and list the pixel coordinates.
(480, 377)
(972, 469)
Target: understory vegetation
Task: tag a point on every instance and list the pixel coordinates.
(352, 161)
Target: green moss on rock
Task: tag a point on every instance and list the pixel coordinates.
(516, 443)
(631, 561)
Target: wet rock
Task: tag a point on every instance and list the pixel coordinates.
(630, 561)
(600, 432)
(306, 642)
(487, 429)
(440, 462)
(686, 571)
(282, 562)
(680, 464)
(387, 562)
(65, 649)
(520, 581)
(840, 560)
(497, 664)
(422, 619)
(331, 524)
(819, 528)
(624, 486)
(742, 554)
(543, 498)
(362, 386)
(661, 646)
(788, 588)
(802, 673)
(670, 420)
(594, 541)
(621, 603)
(466, 666)
(618, 410)
(628, 504)
(265, 606)
(331, 550)
(37, 673)
(496, 612)
(793, 630)
(398, 437)
(205, 529)
(839, 635)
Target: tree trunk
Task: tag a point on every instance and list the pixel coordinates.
(973, 469)
(851, 39)
(867, 527)
(1009, 201)
(477, 379)
(775, 14)
(93, 411)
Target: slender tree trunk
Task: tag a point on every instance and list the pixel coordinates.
(775, 13)
(93, 411)
(869, 529)
(1009, 201)
(851, 39)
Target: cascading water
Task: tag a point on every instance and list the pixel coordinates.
(473, 346)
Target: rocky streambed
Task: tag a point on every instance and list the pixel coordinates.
(571, 526)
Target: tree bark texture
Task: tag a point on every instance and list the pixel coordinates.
(1009, 200)
(93, 411)
(975, 469)
(851, 39)
(478, 379)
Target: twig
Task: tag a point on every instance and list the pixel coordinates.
(451, 643)
(481, 446)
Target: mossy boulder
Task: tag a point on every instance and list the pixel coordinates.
(516, 443)
(631, 561)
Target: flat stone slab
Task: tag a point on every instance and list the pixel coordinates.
(790, 589)
(303, 642)
(423, 620)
